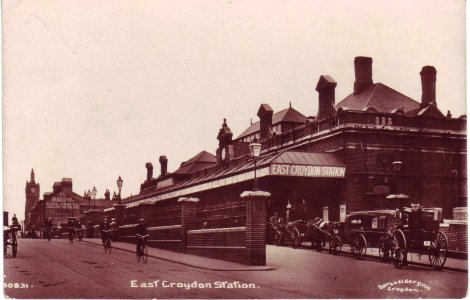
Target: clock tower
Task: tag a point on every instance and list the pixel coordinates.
(32, 197)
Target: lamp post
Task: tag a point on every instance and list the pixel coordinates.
(119, 184)
(255, 151)
(88, 194)
(93, 193)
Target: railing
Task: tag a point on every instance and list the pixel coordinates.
(219, 214)
(365, 119)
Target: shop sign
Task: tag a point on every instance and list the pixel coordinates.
(307, 171)
(62, 202)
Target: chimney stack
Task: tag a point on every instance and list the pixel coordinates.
(428, 85)
(363, 72)
(163, 165)
(265, 114)
(149, 167)
(326, 97)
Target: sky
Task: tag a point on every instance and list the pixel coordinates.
(96, 89)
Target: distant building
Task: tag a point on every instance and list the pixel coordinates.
(62, 203)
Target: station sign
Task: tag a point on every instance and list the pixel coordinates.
(307, 171)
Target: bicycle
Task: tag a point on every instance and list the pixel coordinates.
(80, 234)
(142, 251)
(107, 242)
(47, 232)
(71, 235)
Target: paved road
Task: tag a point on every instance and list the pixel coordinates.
(83, 270)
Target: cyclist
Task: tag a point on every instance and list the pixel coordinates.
(78, 229)
(14, 220)
(141, 235)
(114, 227)
(71, 229)
(48, 228)
(104, 228)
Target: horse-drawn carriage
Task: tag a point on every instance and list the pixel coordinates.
(10, 239)
(317, 232)
(397, 232)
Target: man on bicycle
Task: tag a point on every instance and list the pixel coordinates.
(141, 234)
(104, 228)
(71, 228)
(78, 229)
(48, 227)
(114, 227)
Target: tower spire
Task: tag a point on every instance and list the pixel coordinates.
(32, 176)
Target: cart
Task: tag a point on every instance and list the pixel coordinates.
(10, 239)
(364, 229)
(418, 232)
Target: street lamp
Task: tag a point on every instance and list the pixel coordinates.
(88, 194)
(119, 184)
(255, 151)
(93, 193)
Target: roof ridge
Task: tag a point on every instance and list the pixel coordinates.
(372, 94)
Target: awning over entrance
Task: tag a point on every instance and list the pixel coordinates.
(285, 163)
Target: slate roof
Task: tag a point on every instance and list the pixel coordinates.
(285, 115)
(201, 161)
(381, 97)
(244, 165)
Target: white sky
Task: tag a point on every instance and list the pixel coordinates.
(95, 89)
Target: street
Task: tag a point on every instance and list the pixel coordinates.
(82, 270)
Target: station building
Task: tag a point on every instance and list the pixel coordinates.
(374, 149)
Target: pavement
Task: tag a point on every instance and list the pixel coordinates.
(221, 265)
(186, 259)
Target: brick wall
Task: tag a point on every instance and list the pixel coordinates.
(221, 243)
(456, 233)
(166, 237)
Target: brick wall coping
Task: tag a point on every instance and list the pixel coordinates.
(229, 229)
(186, 200)
(450, 221)
(128, 226)
(164, 227)
(217, 247)
(260, 194)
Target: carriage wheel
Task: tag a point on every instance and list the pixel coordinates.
(14, 249)
(384, 249)
(335, 245)
(438, 251)
(398, 249)
(277, 238)
(360, 246)
(296, 239)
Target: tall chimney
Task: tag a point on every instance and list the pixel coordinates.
(265, 114)
(163, 165)
(428, 85)
(326, 97)
(363, 72)
(149, 167)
